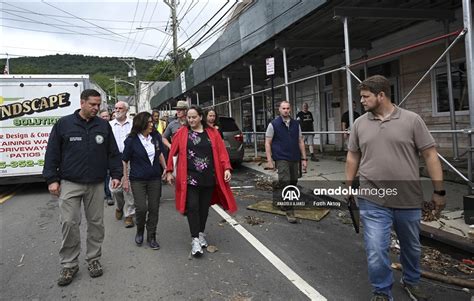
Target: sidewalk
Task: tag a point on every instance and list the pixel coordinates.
(329, 172)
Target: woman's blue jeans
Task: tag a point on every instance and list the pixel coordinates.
(377, 224)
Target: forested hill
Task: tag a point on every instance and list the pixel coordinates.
(76, 64)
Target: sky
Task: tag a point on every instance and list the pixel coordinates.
(107, 28)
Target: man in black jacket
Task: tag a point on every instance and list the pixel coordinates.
(81, 148)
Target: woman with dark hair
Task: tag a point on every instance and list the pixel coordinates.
(212, 120)
(143, 150)
(203, 173)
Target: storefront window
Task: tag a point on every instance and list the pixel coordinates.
(440, 89)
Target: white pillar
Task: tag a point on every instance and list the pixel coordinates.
(229, 96)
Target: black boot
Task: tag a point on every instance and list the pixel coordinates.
(139, 236)
(152, 243)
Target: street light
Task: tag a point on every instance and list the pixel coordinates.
(155, 28)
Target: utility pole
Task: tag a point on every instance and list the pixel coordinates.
(115, 88)
(174, 25)
(133, 74)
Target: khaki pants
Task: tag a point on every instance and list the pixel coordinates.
(92, 195)
(124, 200)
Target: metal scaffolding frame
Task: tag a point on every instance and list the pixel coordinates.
(465, 32)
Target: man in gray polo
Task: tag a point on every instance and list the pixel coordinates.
(384, 147)
(181, 109)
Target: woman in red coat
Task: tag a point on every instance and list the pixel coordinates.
(203, 173)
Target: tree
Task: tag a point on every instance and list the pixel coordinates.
(165, 70)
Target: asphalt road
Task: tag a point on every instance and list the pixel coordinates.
(328, 255)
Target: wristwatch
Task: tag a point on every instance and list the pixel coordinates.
(304, 159)
(440, 192)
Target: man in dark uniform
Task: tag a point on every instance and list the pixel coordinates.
(81, 148)
(305, 117)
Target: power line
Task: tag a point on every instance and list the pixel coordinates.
(62, 16)
(168, 63)
(197, 16)
(82, 19)
(250, 33)
(27, 10)
(136, 34)
(147, 25)
(131, 26)
(73, 31)
(62, 32)
(205, 24)
(197, 43)
(51, 50)
(72, 25)
(220, 28)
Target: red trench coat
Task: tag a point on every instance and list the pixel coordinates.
(222, 194)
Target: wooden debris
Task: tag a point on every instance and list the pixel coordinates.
(212, 249)
(253, 220)
(442, 278)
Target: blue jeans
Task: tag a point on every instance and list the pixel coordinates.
(377, 222)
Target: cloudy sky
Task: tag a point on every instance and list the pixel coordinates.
(108, 27)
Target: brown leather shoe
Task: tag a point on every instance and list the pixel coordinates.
(118, 214)
(129, 222)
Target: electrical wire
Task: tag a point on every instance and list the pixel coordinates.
(53, 51)
(205, 24)
(62, 16)
(140, 25)
(197, 42)
(131, 26)
(71, 31)
(249, 34)
(72, 25)
(62, 32)
(82, 19)
(147, 25)
(195, 18)
(27, 10)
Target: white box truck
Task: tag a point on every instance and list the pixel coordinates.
(29, 107)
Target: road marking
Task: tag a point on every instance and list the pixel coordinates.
(9, 193)
(242, 187)
(299, 282)
(4, 198)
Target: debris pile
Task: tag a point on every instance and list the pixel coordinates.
(253, 220)
(428, 211)
(435, 261)
(264, 183)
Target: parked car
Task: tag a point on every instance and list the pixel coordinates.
(233, 139)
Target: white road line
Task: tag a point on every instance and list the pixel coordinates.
(242, 187)
(299, 282)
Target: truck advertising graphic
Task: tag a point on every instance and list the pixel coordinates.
(29, 107)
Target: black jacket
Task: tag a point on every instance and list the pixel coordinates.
(141, 168)
(81, 151)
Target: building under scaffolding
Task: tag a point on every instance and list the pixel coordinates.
(322, 49)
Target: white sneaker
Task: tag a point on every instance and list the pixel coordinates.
(196, 249)
(202, 240)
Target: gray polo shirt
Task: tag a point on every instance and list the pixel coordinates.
(390, 157)
(171, 129)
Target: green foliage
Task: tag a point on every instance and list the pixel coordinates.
(100, 69)
(165, 70)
